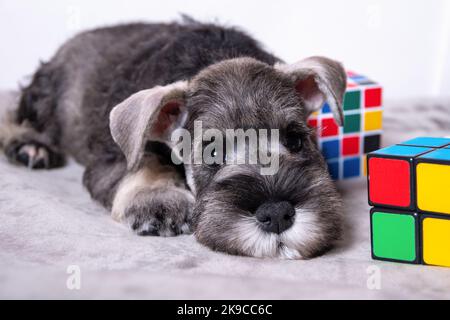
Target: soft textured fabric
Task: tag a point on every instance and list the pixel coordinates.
(48, 222)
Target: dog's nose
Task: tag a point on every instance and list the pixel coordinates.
(275, 216)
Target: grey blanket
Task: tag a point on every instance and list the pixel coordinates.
(48, 223)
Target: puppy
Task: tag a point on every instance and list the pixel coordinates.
(112, 97)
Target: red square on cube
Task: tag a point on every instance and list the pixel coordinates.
(312, 123)
(372, 97)
(350, 146)
(389, 182)
(329, 128)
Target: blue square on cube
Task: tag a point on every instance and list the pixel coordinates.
(352, 167)
(438, 154)
(333, 168)
(359, 78)
(330, 149)
(326, 108)
(403, 151)
(427, 142)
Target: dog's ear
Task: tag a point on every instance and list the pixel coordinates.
(150, 114)
(319, 79)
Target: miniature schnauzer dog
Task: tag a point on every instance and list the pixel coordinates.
(112, 97)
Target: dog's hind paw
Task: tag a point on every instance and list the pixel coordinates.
(33, 155)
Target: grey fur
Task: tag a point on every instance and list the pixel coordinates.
(227, 81)
(329, 77)
(131, 121)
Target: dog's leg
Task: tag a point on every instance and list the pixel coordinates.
(152, 200)
(30, 133)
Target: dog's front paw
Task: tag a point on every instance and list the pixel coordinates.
(161, 212)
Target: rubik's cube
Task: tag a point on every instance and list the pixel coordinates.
(344, 148)
(409, 188)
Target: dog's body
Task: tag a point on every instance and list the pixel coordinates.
(204, 72)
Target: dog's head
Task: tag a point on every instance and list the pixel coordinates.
(292, 210)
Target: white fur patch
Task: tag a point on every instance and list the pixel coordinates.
(289, 253)
(155, 177)
(287, 245)
(303, 232)
(255, 242)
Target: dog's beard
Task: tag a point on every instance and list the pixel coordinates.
(312, 233)
(296, 242)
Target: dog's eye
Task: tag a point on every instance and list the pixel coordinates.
(294, 141)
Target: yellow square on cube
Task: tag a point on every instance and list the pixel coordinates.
(433, 187)
(373, 120)
(436, 241)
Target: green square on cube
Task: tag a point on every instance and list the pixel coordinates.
(394, 236)
(352, 100)
(352, 123)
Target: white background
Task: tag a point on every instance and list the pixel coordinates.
(403, 44)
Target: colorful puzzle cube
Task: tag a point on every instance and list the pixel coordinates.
(344, 148)
(409, 185)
